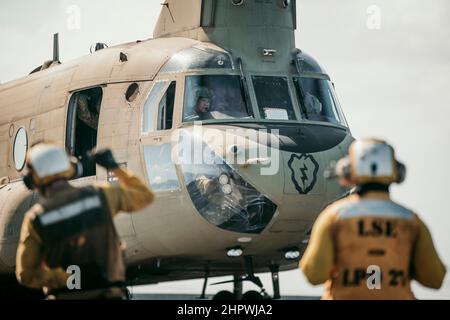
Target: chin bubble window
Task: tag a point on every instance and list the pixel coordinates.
(222, 196)
(160, 168)
(274, 100)
(318, 100)
(215, 97)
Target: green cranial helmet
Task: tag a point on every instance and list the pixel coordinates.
(203, 93)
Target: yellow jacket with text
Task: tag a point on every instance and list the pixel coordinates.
(368, 247)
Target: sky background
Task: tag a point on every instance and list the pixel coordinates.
(389, 59)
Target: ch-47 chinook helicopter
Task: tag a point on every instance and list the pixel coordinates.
(215, 219)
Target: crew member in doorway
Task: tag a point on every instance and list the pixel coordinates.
(88, 110)
(366, 246)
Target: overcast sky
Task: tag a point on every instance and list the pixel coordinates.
(392, 76)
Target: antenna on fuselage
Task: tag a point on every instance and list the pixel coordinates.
(55, 61)
(56, 47)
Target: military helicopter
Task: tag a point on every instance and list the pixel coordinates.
(230, 67)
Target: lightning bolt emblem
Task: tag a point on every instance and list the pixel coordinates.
(304, 172)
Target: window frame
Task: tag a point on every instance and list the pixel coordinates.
(162, 143)
(342, 121)
(70, 119)
(181, 81)
(161, 126)
(250, 107)
(21, 129)
(153, 118)
(290, 87)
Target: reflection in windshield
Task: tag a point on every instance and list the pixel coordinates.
(318, 101)
(196, 58)
(214, 97)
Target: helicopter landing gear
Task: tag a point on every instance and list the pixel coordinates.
(237, 287)
(205, 284)
(250, 295)
(274, 269)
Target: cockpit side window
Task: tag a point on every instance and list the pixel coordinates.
(165, 114)
(215, 97)
(318, 100)
(150, 107)
(274, 100)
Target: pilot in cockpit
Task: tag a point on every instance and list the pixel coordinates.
(313, 108)
(202, 108)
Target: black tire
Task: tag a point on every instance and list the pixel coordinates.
(252, 296)
(224, 295)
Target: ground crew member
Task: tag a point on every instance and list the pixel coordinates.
(366, 246)
(74, 226)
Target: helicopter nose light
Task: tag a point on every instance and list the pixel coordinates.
(227, 189)
(237, 2)
(224, 179)
(234, 252)
(286, 3)
(245, 240)
(292, 254)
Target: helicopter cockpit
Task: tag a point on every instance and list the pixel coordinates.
(216, 91)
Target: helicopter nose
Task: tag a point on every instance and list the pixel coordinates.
(220, 192)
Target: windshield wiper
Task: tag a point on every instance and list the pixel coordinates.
(298, 87)
(244, 88)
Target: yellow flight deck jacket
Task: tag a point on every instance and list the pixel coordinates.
(357, 237)
(129, 195)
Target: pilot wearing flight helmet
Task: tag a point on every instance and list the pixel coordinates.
(202, 107)
(314, 108)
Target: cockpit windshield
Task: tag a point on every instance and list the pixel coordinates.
(274, 100)
(215, 97)
(318, 100)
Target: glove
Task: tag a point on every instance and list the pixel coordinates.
(104, 158)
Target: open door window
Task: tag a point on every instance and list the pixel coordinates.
(82, 126)
(166, 106)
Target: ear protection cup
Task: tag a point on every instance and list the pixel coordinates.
(28, 181)
(78, 168)
(344, 168)
(401, 172)
(347, 170)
